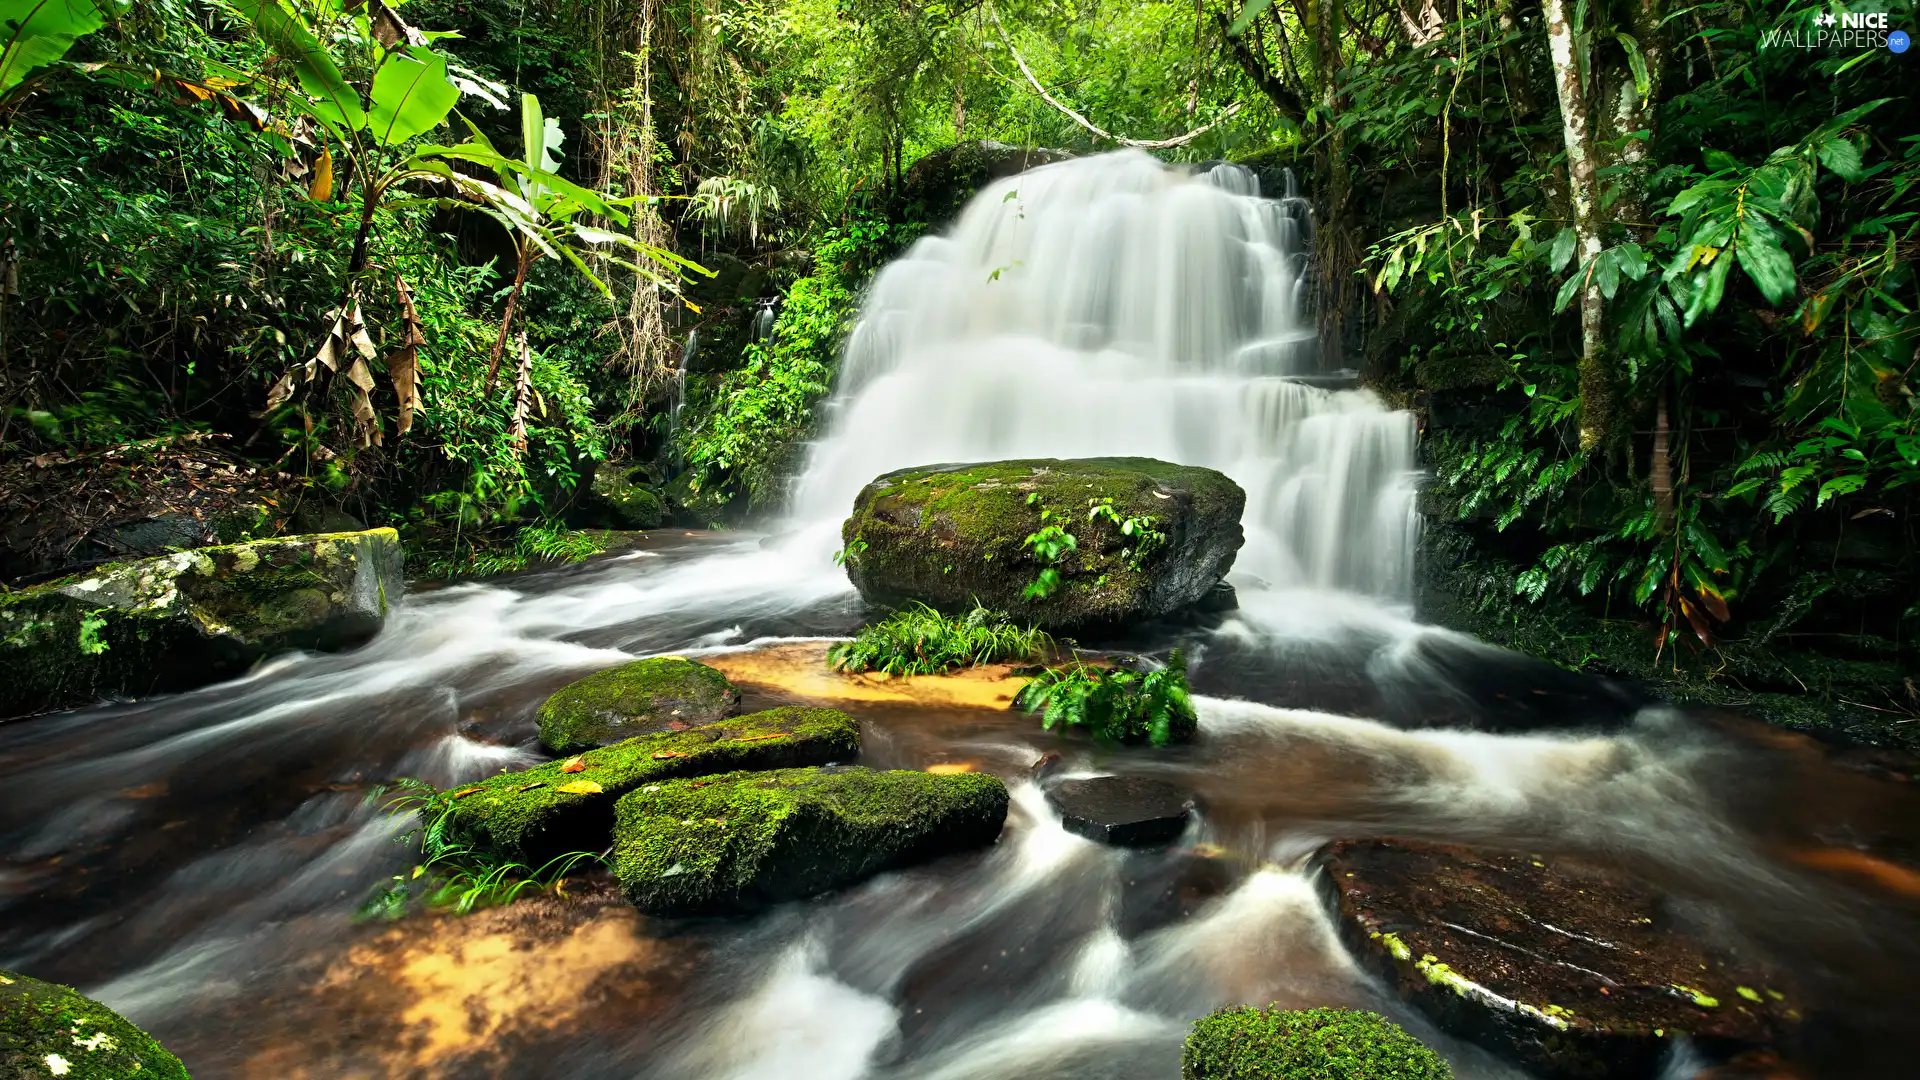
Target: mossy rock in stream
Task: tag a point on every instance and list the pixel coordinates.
(747, 840)
(1249, 1043)
(178, 621)
(536, 814)
(1575, 971)
(621, 488)
(952, 536)
(48, 1030)
(660, 693)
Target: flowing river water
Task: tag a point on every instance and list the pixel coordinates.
(195, 860)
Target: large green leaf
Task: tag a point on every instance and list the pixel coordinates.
(35, 33)
(335, 102)
(1765, 261)
(411, 95)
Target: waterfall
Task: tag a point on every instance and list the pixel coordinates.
(1115, 305)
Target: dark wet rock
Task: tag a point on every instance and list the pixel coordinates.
(661, 693)
(938, 186)
(1573, 971)
(1161, 888)
(191, 618)
(566, 806)
(1248, 1043)
(49, 1030)
(954, 535)
(1128, 811)
(748, 840)
(622, 491)
(1046, 765)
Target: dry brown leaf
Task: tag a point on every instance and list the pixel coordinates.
(321, 189)
(574, 764)
(467, 792)
(769, 735)
(667, 754)
(581, 787)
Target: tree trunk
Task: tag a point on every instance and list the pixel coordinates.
(522, 397)
(525, 260)
(1597, 389)
(1661, 468)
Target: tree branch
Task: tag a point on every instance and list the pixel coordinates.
(1277, 91)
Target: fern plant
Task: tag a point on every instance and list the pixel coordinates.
(1115, 704)
(920, 641)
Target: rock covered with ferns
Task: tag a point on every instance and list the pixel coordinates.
(1063, 544)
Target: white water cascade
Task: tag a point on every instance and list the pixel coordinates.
(1115, 305)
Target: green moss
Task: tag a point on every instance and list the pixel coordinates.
(525, 815)
(49, 1030)
(952, 536)
(657, 694)
(623, 488)
(1312, 1044)
(746, 840)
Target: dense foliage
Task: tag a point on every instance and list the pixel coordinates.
(1249, 1043)
(918, 640)
(1115, 704)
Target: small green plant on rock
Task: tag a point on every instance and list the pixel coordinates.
(452, 875)
(1139, 530)
(1050, 544)
(920, 641)
(1249, 1043)
(1115, 704)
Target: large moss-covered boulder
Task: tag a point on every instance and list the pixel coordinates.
(1578, 972)
(1250, 1043)
(566, 806)
(660, 693)
(622, 491)
(1149, 538)
(194, 617)
(48, 1030)
(747, 840)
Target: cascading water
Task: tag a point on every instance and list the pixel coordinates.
(1115, 305)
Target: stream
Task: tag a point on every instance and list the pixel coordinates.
(195, 861)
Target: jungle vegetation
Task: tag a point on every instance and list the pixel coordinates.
(1645, 270)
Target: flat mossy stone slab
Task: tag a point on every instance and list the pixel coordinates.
(1249, 1043)
(536, 814)
(660, 693)
(1577, 972)
(748, 840)
(951, 536)
(1126, 811)
(48, 1030)
(174, 622)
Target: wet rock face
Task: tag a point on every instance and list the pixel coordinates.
(953, 535)
(1127, 811)
(1570, 970)
(747, 840)
(191, 618)
(565, 806)
(49, 1030)
(621, 492)
(662, 693)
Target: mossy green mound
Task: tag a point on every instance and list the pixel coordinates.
(48, 1030)
(662, 693)
(747, 840)
(1149, 538)
(194, 617)
(623, 490)
(1306, 1044)
(537, 813)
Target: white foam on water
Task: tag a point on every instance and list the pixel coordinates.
(799, 1024)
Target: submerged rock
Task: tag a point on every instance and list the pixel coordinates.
(748, 840)
(954, 535)
(1569, 969)
(567, 806)
(1128, 811)
(48, 1030)
(661, 693)
(1247, 1043)
(191, 618)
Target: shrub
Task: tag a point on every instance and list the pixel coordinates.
(921, 641)
(1115, 704)
(1310, 1044)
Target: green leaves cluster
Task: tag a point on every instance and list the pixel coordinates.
(1115, 704)
(918, 640)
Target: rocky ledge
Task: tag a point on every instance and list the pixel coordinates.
(1148, 538)
(661, 693)
(1573, 971)
(48, 1030)
(178, 621)
(747, 840)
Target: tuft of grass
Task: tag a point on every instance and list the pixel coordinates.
(451, 875)
(1115, 704)
(533, 545)
(920, 641)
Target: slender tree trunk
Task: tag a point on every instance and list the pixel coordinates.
(522, 262)
(1597, 383)
(522, 396)
(1661, 468)
(1632, 122)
